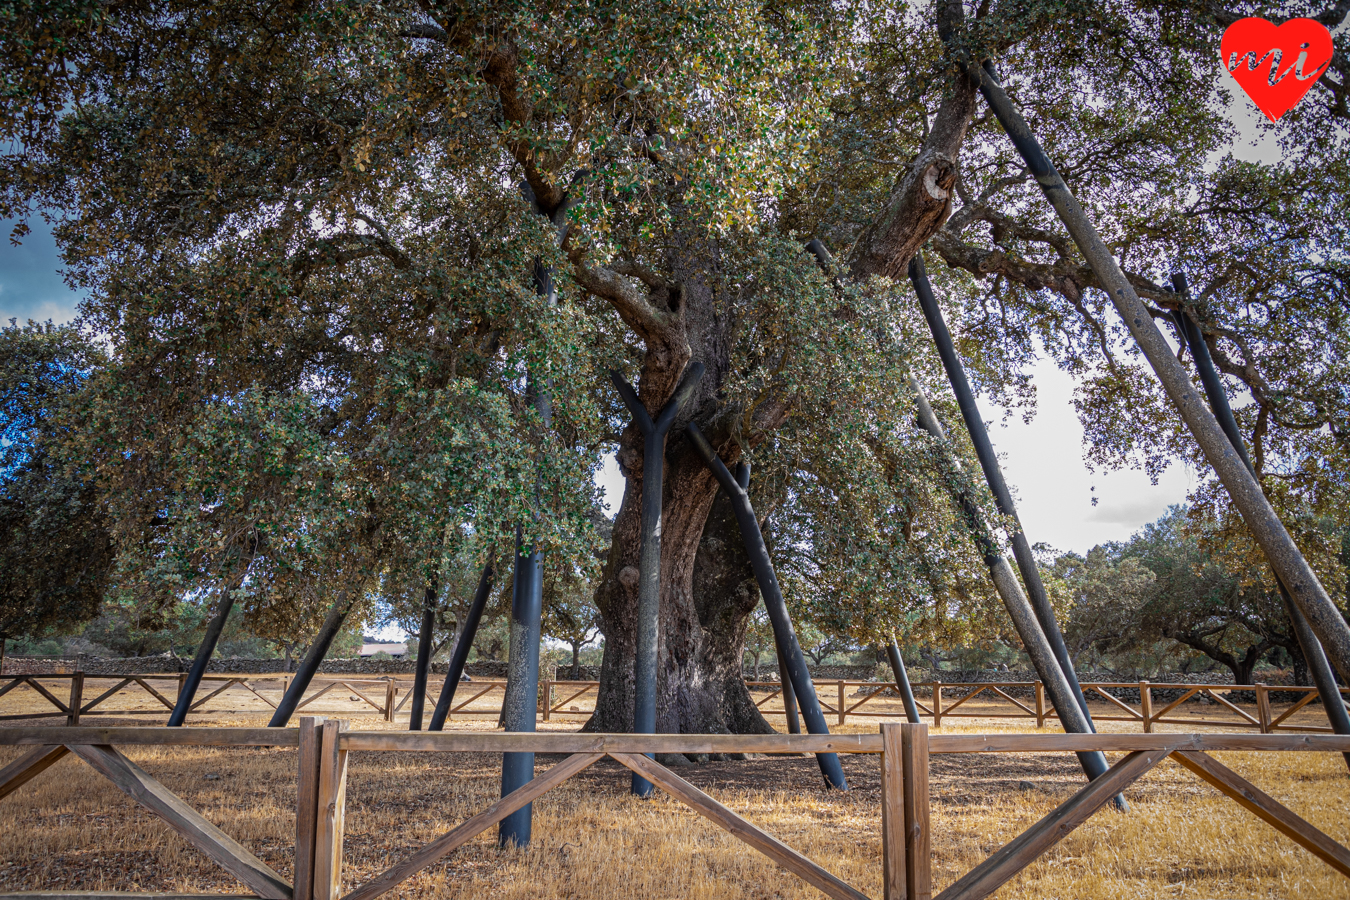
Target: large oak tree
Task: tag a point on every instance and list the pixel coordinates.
(304, 239)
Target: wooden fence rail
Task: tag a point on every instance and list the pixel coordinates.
(904, 750)
(945, 700)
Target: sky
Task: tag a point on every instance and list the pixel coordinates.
(1042, 460)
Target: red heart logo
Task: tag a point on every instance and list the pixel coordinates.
(1276, 66)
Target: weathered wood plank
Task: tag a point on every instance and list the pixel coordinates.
(1307, 698)
(220, 690)
(472, 827)
(1235, 708)
(968, 696)
(1101, 692)
(1027, 847)
(563, 742)
(307, 805)
(254, 691)
(118, 895)
(105, 695)
(918, 831)
(720, 815)
(195, 736)
(893, 868)
(1177, 702)
(1011, 699)
(1268, 809)
(32, 682)
(153, 693)
(315, 696)
(1053, 743)
(331, 812)
(29, 766)
(232, 856)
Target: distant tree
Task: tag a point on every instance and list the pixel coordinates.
(55, 547)
(759, 639)
(1106, 597)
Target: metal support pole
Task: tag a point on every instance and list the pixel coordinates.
(902, 682)
(519, 706)
(424, 644)
(1019, 609)
(993, 475)
(205, 649)
(784, 635)
(522, 686)
(654, 432)
(1313, 654)
(468, 630)
(1307, 592)
(318, 649)
(794, 725)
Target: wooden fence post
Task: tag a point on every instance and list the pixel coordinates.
(937, 704)
(1146, 705)
(1040, 704)
(894, 872)
(331, 813)
(547, 698)
(76, 698)
(307, 805)
(390, 699)
(1263, 706)
(918, 839)
(842, 714)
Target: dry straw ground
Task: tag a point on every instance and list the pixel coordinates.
(71, 830)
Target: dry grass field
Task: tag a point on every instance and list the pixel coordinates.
(69, 829)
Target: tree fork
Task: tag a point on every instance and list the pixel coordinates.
(1307, 592)
(1313, 654)
(993, 475)
(463, 644)
(649, 564)
(784, 635)
(1019, 608)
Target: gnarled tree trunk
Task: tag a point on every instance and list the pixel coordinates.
(707, 595)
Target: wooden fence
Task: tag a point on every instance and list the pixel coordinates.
(835, 698)
(838, 698)
(904, 751)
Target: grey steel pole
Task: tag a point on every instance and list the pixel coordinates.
(424, 644)
(794, 725)
(1019, 608)
(654, 432)
(468, 630)
(204, 651)
(1313, 654)
(993, 475)
(522, 686)
(1293, 569)
(318, 649)
(902, 681)
(521, 702)
(784, 635)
